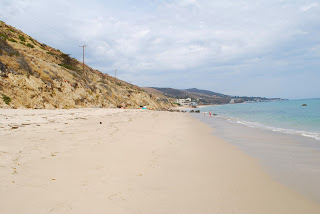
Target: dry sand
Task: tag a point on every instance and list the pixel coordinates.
(139, 162)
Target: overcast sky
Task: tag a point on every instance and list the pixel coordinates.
(265, 48)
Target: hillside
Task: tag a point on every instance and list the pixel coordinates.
(34, 75)
(205, 92)
(205, 97)
(198, 96)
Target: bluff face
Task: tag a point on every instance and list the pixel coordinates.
(34, 75)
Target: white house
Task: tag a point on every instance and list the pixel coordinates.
(185, 102)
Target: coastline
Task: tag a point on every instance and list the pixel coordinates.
(130, 161)
(292, 160)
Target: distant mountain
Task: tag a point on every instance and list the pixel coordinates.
(34, 75)
(205, 97)
(202, 97)
(206, 92)
(174, 93)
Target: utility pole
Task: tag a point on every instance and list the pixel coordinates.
(115, 73)
(83, 46)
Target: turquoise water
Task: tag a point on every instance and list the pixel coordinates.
(287, 116)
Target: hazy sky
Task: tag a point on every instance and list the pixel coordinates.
(265, 48)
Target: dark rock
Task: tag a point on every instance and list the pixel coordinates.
(3, 70)
(304, 104)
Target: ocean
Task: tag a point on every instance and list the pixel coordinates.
(283, 136)
(287, 116)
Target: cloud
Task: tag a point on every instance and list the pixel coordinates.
(160, 42)
(309, 6)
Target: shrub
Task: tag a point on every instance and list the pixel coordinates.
(12, 40)
(23, 43)
(14, 53)
(6, 99)
(30, 45)
(53, 54)
(66, 66)
(22, 38)
(24, 65)
(32, 40)
(3, 36)
(68, 62)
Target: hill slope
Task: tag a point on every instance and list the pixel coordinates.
(196, 95)
(205, 97)
(34, 75)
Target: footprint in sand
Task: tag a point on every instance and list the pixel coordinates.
(116, 197)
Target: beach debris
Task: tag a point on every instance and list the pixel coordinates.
(197, 111)
(100, 122)
(304, 104)
(192, 111)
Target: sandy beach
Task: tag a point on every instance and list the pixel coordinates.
(130, 161)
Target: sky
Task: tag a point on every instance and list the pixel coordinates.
(267, 48)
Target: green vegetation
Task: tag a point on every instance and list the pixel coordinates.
(53, 54)
(30, 45)
(6, 99)
(68, 62)
(14, 53)
(22, 38)
(66, 66)
(11, 30)
(23, 43)
(12, 40)
(3, 36)
(32, 41)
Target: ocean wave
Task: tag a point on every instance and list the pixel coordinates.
(313, 135)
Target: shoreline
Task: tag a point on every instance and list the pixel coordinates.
(292, 160)
(130, 161)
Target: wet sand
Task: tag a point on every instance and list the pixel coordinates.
(293, 160)
(129, 161)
